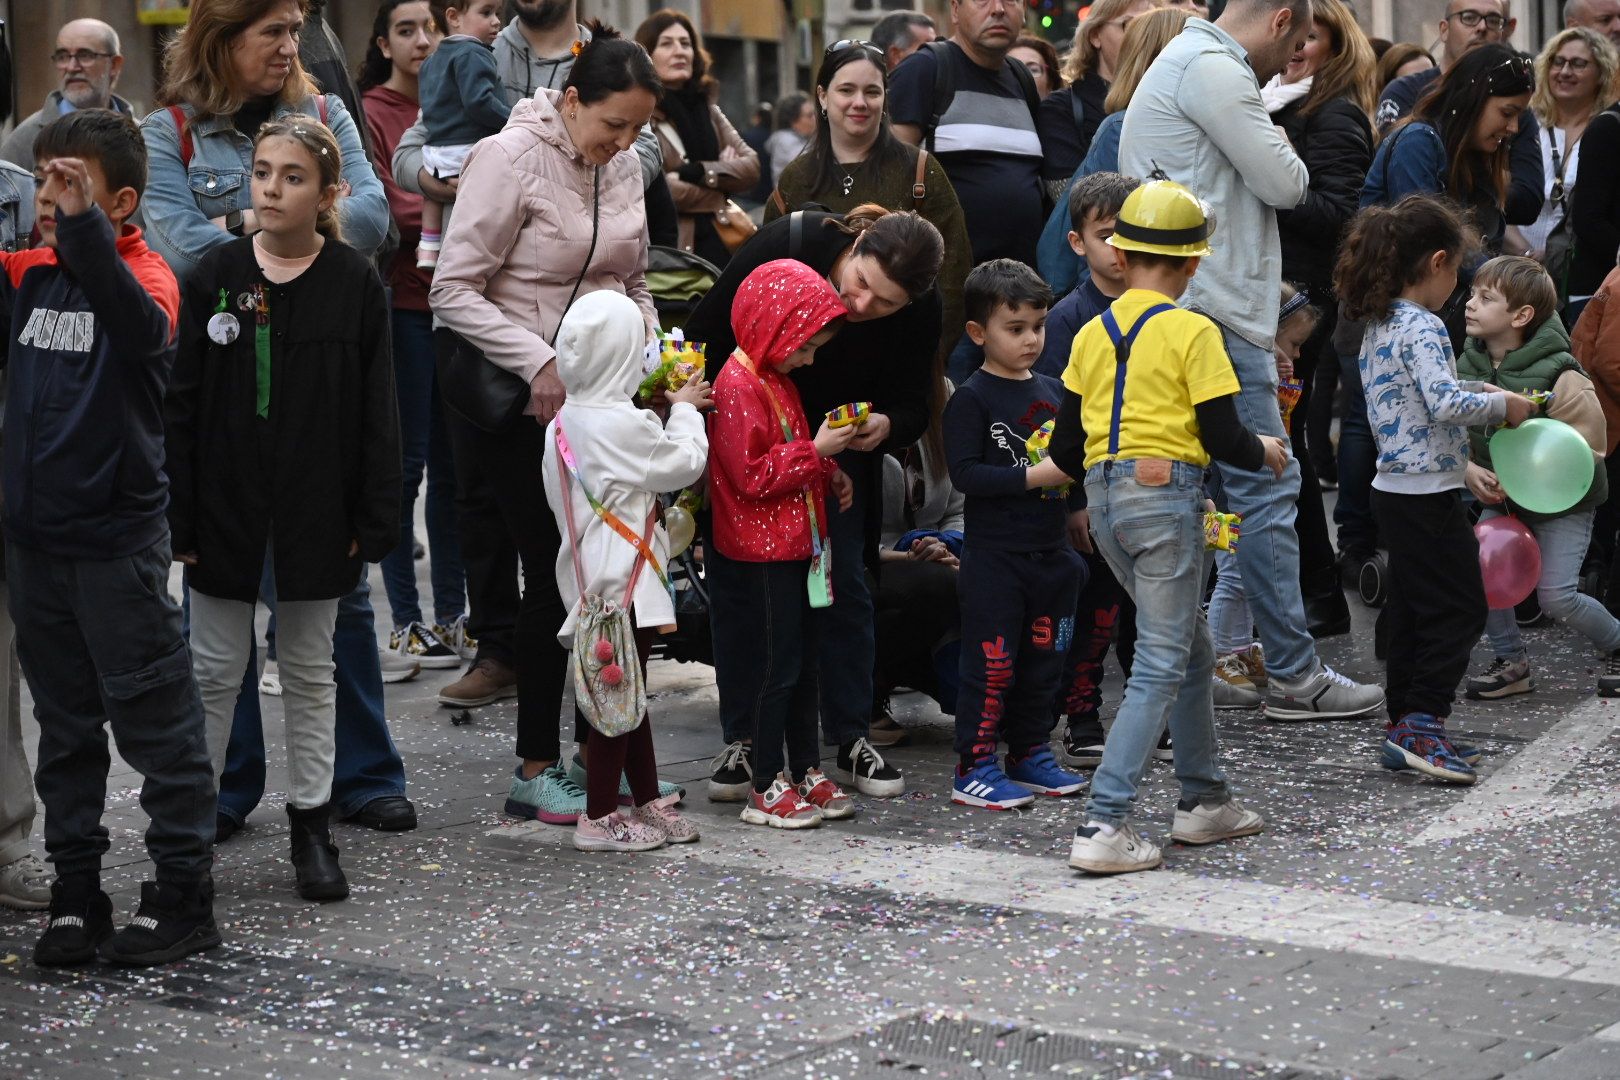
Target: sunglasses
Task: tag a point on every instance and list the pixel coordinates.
(853, 43)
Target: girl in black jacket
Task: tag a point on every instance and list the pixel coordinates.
(282, 439)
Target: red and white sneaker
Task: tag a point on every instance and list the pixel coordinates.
(825, 795)
(780, 808)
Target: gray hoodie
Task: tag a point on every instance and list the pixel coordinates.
(1198, 116)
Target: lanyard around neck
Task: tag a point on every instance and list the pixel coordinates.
(565, 454)
(787, 435)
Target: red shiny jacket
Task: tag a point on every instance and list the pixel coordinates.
(757, 480)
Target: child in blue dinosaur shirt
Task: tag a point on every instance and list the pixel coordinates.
(1397, 267)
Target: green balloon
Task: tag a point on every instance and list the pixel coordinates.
(1543, 465)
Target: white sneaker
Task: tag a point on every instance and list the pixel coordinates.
(1205, 823)
(270, 681)
(397, 668)
(1324, 695)
(25, 884)
(1122, 852)
(455, 635)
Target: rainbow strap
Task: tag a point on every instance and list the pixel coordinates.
(609, 518)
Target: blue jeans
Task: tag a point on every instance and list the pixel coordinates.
(1563, 541)
(1268, 557)
(1358, 464)
(425, 442)
(368, 764)
(1153, 540)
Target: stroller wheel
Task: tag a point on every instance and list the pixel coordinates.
(1372, 581)
(1528, 612)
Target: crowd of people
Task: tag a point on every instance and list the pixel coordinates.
(993, 346)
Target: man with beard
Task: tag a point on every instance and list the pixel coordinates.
(88, 61)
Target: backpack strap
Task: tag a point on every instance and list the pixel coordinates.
(1032, 93)
(1122, 355)
(779, 202)
(795, 233)
(1077, 109)
(919, 183)
(321, 107)
(178, 115)
(944, 87)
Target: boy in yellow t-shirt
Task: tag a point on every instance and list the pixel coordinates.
(1149, 400)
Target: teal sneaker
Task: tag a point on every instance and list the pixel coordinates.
(551, 797)
(668, 794)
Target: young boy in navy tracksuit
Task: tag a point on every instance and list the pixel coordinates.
(89, 320)
(1019, 575)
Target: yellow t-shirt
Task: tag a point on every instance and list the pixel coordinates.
(1177, 362)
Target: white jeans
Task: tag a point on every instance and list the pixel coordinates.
(222, 636)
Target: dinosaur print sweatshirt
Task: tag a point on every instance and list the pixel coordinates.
(1419, 412)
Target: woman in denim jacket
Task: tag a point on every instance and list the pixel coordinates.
(234, 67)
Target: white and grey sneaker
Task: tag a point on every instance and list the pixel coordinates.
(1503, 678)
(1231, 687)
(1204, 823)
(731, 774)
(25, 884)
(397, 668)
(861, 765)
(1099, 850)
(1323, 695)
(418, 641)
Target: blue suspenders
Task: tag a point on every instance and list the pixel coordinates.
(1122, 355)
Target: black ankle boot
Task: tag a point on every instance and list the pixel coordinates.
(314, 856)
(1327, 614)
(175, 919)
(80, 920)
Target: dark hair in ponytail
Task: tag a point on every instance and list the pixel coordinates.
(1388, 247)
(903, 242)
(610, 64)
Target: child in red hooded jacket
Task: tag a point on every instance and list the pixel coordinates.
(768, 486)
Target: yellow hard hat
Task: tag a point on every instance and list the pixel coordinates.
(1165, 218)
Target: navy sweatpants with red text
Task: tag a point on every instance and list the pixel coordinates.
(1017, 626)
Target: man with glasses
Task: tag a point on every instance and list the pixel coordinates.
(1464, 25)
(88, 61)
(1602, 16)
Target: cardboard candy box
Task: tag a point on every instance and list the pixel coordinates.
(855, 413)
(1037, 443)
(672, 365)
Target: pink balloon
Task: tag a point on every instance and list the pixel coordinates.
(1509, 560)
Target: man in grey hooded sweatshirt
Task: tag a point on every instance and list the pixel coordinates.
(1197, 117)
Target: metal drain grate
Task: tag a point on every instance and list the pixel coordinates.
(933, 1046)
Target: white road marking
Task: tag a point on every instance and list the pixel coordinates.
(1523, 788)
(1309, 918)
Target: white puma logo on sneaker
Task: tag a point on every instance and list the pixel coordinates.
(67, 920)
(144, 922)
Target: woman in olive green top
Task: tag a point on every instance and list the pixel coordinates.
(855, 158)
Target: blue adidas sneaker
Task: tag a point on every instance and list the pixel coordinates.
(1040, 773)
(987, 786)
(1418, 741)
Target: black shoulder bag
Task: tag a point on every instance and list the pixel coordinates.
(483, 393)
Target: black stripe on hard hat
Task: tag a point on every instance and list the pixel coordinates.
(1145, 235)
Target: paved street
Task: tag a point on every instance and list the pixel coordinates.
(1382, 926)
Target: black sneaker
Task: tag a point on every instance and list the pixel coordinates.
(1609, 678)
(862, 766)
(173, 921)
(419, 642)
(80, 920)
(1083, 741)
(733, 776)
(1163, 752)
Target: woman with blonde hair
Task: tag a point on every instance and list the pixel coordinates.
(1575, 76)
(1069, 117)
(1143, 43)
(1323, 100)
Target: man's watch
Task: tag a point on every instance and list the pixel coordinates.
(233, 223)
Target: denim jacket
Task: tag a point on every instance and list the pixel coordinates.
(16, 206)
(180, 200)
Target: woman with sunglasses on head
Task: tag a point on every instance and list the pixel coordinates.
(1068, 118)
(1574, 78)
(854, 158)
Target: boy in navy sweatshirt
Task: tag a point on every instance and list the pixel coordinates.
(89, 320)
(1019, 575)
